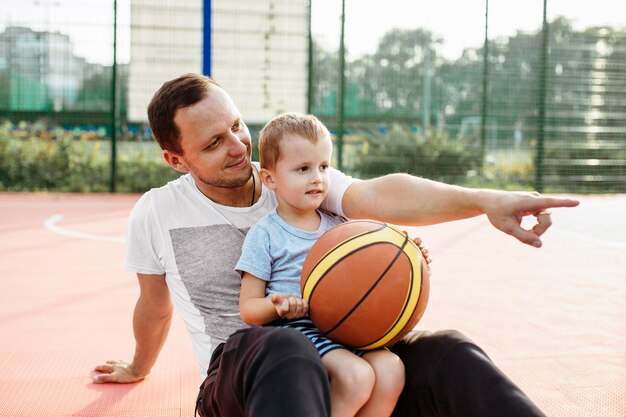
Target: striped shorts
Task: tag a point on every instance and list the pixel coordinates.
(322, 343)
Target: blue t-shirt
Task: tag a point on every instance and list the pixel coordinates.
(275, 251)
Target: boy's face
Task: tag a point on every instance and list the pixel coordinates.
(300, 177)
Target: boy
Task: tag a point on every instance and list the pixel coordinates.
(295, 152)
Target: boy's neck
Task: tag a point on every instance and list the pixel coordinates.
(308, 221)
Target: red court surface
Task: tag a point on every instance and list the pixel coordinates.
(553, 319)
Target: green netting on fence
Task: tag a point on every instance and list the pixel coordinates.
(530, 106)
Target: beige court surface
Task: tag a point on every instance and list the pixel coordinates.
(553, 319)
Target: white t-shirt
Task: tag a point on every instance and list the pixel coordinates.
(177, 231)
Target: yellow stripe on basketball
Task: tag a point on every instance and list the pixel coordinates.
(410, 302)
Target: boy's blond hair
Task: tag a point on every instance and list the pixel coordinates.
(296, 124)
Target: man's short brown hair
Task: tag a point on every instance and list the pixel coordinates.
(175, 94)
(295, 124)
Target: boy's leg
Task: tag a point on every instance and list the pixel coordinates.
(351, 381)
(265, 372)
(448, 375)
(389, 374)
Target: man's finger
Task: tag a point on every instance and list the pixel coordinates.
(543, 223)
(104, 368)
(543, 203)
(526, 236)
(103, 378)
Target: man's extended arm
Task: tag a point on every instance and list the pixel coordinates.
(407, 200)
(151, 324)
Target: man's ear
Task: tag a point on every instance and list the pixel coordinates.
(267, 178)
(175, 161)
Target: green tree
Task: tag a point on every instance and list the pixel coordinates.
(391, 80)
(324, 81)
(95, 93)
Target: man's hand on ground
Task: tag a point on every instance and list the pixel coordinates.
(119, 372)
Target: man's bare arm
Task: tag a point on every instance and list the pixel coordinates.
(408, 200)
(151, 323)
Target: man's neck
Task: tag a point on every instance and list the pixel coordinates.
(232, 196)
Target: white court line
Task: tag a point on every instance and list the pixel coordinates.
(50, 224)
(61, 204)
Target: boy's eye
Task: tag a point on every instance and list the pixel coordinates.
(324, 167)
(303, 169)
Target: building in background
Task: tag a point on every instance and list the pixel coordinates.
(40, 73)
(256, 49)
(39, 70)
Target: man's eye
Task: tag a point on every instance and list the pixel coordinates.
(236, 127)
(214, 143)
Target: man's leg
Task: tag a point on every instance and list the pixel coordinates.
(448, 375)
(265, 372)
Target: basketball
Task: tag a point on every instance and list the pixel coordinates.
(366, 283)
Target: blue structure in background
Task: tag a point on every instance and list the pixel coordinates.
(206, 37)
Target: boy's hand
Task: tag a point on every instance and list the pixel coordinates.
(422, 248)
(289, 306)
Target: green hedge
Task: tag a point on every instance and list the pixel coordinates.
(435, 156)
(72, 165)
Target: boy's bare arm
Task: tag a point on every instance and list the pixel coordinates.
(256, 309)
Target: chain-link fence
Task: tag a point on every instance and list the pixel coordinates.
(480, 93)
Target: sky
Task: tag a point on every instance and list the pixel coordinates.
(459, 22)
(89, 24)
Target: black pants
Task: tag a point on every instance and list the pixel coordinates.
(276, 372)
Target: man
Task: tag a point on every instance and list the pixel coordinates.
(185, 238)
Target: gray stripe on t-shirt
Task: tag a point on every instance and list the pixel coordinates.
(206, 258)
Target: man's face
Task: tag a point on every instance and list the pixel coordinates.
(301, 177)
(215, 144)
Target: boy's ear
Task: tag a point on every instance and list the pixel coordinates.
(175, 161)
(267, 178)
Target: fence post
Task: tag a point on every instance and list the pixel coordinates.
(206, 37)
(539, 163)
(483, 106)
(309, 95)
(113, 121)
(342, 88)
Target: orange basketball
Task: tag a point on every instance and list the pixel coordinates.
(366, 283)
